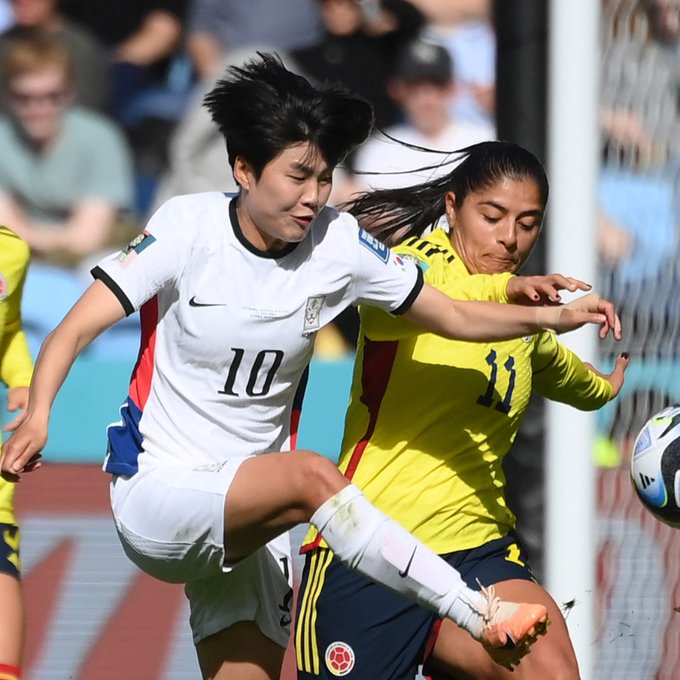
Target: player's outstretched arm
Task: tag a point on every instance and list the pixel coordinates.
(434, 311)
(95, 311)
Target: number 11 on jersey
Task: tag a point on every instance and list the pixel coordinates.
(487, 399)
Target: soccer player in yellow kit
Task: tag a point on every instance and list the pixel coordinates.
(15, 371)
(428, 424)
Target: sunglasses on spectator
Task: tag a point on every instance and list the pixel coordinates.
(23, 99)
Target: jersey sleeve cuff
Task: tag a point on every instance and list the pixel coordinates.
(411, 297)
(103, 276)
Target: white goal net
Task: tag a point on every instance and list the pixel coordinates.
(638, 576)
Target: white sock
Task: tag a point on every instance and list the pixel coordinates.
(369, 542)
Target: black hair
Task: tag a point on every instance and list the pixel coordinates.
(261, 108)
(393, 215)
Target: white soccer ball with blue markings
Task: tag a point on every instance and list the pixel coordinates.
(655, 465)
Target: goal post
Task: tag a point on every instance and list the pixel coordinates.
(570, 557)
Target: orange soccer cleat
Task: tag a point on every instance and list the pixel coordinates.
(511, 627)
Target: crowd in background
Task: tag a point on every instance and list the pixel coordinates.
(102, 117)
(102, 121)
(639, 195)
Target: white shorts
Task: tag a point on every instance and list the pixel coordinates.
(170, 521)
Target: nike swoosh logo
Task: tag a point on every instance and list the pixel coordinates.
(404, 573)
(194, 303)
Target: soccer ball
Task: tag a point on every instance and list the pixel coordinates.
(655, 465)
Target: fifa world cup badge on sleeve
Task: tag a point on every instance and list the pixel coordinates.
(408, 257)
(3, 287)
(136, 246)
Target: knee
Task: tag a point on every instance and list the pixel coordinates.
(557, 665)
(317, 480)
(564, 671)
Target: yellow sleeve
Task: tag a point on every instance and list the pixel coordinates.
(484, 287)
(559, 375)
(379, 325)
(16, 365)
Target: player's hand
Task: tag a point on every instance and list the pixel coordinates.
(562, 319)
(541, 290)
(593, 303)
(617, 376)
(17, 399)
(21, 452)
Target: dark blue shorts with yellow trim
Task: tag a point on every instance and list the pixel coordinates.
(346, 624)
(10, 537)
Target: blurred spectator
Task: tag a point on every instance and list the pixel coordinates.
(150, 78)
(218, 27)
(43, 17)
(640, 81)
(358, 48)
(465, 28)
(64, 172)
(423, 85)
(638, 187)
(65, 178)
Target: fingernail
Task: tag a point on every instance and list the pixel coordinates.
(624, 355)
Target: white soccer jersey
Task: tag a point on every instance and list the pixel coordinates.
(227, 330)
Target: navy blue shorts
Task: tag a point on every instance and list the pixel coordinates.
(9, 549)
(345, 622)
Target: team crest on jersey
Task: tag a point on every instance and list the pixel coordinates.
(313, 312)
(136, 246)
(339, 658)
(380, 250)
(4, 292)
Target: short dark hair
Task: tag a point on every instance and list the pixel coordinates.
(261, 108)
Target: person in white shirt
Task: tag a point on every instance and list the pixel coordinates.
(424, 86)
(232, 291)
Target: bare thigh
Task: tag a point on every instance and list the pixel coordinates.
(240, 652)
(11, 621)
(552, 656)
(272, 493)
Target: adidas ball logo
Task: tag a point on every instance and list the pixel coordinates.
(645, 481)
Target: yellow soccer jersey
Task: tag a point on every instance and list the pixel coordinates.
(15, 358)
(430, 419)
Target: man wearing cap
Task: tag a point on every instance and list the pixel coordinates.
(423, 84)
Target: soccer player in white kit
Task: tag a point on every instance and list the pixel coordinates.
(232, 291)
